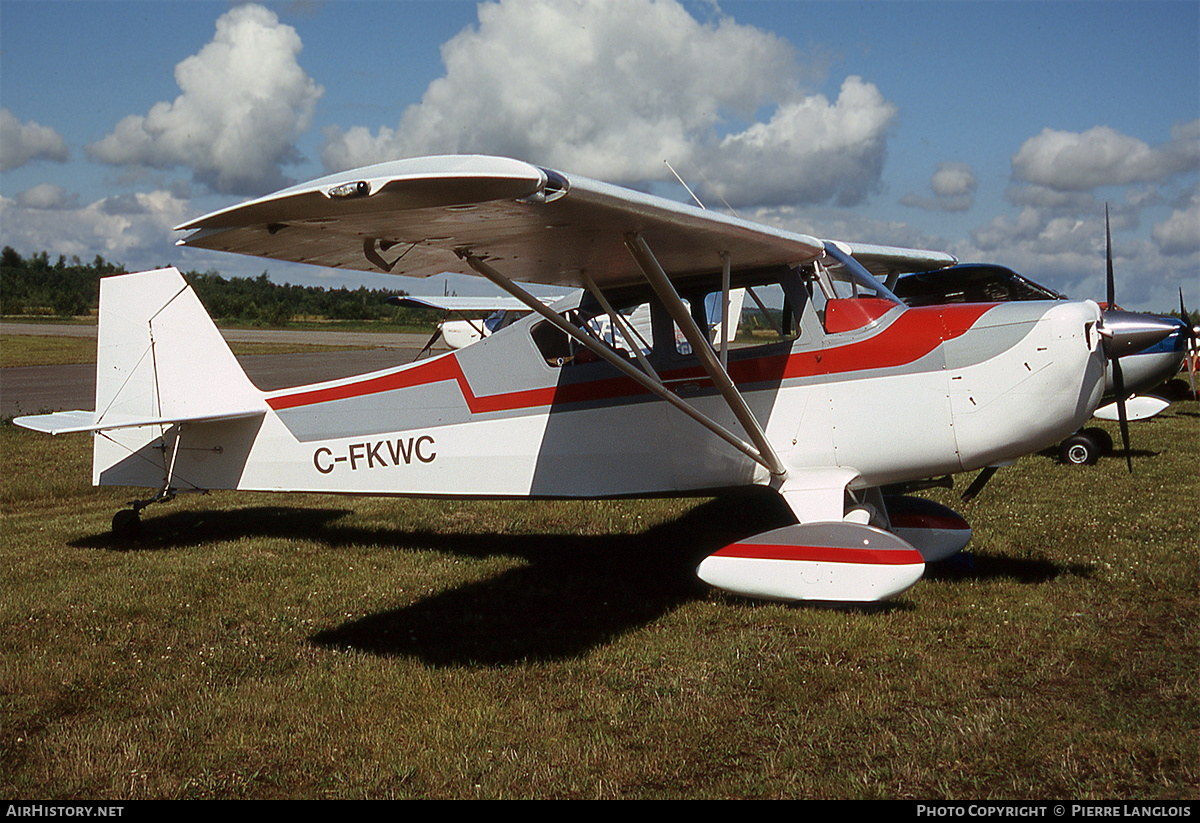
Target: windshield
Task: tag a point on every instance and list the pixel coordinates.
(844, 277)
(845, 295)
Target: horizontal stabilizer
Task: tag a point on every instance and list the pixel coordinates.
(67, 422)
(63, 422)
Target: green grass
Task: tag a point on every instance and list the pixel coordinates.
(43, 350)
(35, 350)
(258, 646)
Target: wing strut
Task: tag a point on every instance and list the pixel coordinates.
(612, 358)
(725, 264)
(702, 347)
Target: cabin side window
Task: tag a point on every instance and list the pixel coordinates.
(762, 311)
(631, 330)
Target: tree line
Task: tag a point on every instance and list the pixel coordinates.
(71, 288)
(36, 286)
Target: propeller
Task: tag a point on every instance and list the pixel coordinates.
(1118, 377)
(1193, 342)
(1125, 333)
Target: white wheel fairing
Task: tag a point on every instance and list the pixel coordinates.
(936, 531)
(831, 562)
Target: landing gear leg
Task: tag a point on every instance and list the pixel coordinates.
(127, 523)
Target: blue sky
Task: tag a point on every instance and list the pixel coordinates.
(993, 130)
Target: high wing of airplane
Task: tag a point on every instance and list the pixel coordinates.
(556, 409)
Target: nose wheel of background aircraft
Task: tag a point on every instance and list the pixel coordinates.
(1085, 447)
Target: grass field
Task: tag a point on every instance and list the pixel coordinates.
(256, 646)
(30, 350)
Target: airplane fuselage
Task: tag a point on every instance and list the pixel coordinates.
(913, 394)
(829, 388)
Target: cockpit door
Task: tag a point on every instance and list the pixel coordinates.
(884, 375)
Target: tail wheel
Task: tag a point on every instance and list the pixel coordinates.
(126, 524)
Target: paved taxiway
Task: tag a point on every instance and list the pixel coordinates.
(33, 389)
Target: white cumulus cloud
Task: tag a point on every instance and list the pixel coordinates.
(1062, 184)
(45, 197)
(127, 229)
(21, 143)
(1179, 234)
(612, 89)
(1102, 156)
(953, 186)
(244, 101)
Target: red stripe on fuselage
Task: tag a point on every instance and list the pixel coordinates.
(913, 335)
(435, 371)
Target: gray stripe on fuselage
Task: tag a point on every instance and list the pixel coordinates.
(998, 330)
(426, 406)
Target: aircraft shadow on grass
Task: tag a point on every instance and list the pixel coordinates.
(574, 593)
(1026, 570)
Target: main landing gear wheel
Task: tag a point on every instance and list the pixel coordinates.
(1079, 450)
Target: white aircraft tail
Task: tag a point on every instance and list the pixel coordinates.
(160, 358)
(161, 364)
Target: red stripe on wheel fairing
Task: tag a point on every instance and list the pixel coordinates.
(928, 521)
(821, 554)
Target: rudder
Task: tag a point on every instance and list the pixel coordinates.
(160, 363)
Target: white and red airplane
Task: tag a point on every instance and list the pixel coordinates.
(848, 392)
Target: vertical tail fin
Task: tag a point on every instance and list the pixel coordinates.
(162, 367)
(159, 356)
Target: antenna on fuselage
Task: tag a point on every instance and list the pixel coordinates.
(685, 185)
(731, 209)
